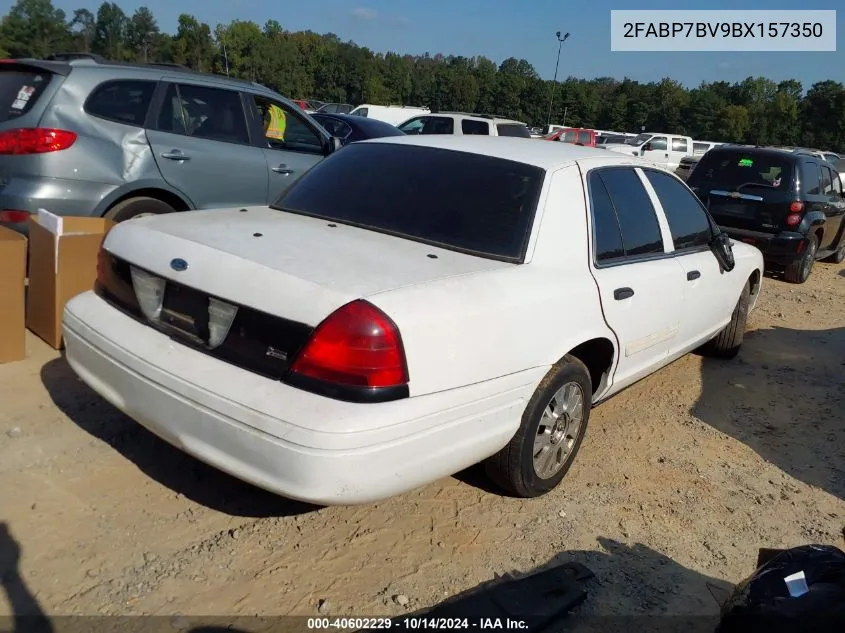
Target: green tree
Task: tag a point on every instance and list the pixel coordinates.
(34, 28)
(110, 32)
(141, 33)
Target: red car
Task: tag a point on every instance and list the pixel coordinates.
(574, 135)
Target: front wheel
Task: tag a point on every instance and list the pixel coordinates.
(726, 343)
(552, 429)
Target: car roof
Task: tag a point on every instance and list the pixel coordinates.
(523, 150)
(478, 117)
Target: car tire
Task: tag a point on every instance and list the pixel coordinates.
(553, 426)
(137, 207)
(799, 271)
(839, 256)
(726, 343)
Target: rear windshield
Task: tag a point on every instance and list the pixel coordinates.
(465, 202)
(737, 170)
(19, 92)
(509, 129)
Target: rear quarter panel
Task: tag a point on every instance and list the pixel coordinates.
(473, 328)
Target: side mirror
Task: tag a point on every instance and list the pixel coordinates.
(648, 147)
(333, 145)
(723, 251)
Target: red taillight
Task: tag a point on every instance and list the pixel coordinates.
(793, 219)
(13, 216)
(35, 140)
(357, 345)
(796, 207)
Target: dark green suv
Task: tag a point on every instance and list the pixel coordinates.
(789, 205)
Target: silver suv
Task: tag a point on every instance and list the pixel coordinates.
(97, 138)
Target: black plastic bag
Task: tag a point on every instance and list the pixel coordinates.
(763, 603)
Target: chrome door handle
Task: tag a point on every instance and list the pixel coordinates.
(175, 154)
(283, 169)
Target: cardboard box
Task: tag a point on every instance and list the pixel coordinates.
(12, 294)
(62, 264)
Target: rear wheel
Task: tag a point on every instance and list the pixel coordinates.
(140, 207)
(799, 271)
(553, 426)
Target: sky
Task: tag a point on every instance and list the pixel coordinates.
(508, 28)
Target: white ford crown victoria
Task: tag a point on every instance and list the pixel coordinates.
(410, 307)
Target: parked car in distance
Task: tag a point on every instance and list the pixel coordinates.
(85, 137)
(664, 150)
(575, 135)
(335, 108)
(393, 114)
(787, 204)
(464, 124)
(348, 128)
(700, 148)
(686, 166)
(369, 369)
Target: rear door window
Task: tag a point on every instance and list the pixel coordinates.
(585, 137)
(637, 218)
(20, 91)
(438, 125)
(209, 113)
(606, 231)
(471, 126)
(679, 145)
(827, 181)
(509, 129)
(809, 179)
(121, 101)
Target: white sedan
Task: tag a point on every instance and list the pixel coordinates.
(410, 307)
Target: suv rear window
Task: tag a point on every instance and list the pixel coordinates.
(19, 91)
(510, 129)
(123, 101)
(465, 202)
(754, 170)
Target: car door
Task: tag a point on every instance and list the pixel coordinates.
(640, 285)
(656, 150)
(834, 209)
(202, 146)
(291, 151)
(708, 300)
(678, 148)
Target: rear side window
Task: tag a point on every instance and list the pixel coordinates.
(809, 179)
(438, 125)
(637, 218)
(679, 145)
(19, 92)
(121, 101)
(700, 148)
(688, 222)
(519, 131)
(837, 182)
(470, 127)
(461, 201)
(584, 137)
(736, 170)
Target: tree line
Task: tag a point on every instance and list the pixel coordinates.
(306, 64)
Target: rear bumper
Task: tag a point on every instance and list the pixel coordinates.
(291, 442)
(777, 248)
(57, 195)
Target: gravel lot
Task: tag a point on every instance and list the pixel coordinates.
(680, 480)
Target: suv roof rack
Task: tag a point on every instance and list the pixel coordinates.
(66, 57)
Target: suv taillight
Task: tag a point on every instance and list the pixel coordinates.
(796, 207)
(358, 345)
(35, 140)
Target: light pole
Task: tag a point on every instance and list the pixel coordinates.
(560, 41)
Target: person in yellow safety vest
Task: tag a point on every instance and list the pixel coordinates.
(275, 123)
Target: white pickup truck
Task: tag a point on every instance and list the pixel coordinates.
(411, 306)
(663, 150)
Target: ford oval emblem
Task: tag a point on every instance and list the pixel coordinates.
(178, 265)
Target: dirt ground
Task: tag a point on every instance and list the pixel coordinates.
(680, 480)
